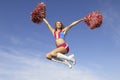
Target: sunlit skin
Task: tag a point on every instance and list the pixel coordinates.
(59, 26)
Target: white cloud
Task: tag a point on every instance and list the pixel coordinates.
(16, 67)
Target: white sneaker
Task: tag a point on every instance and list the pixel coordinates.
(62, 61)
(72, 59)
(68, 64)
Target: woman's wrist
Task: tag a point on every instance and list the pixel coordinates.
(82, 19)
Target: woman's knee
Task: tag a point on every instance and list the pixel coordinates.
(48, 56)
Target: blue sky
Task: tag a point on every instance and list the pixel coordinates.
(23, 44)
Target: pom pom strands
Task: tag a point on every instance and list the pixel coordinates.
(94, 19)
(38, 13)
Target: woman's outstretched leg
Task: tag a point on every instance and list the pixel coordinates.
(57, 55)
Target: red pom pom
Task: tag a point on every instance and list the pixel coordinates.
(38, 13)
(94, 19)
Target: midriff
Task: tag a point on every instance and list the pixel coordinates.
(59, 41)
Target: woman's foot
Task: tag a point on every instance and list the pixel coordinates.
(68, 64)
(72, 59)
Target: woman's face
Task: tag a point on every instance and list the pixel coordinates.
(58, 25)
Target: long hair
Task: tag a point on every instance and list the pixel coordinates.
(62, 26)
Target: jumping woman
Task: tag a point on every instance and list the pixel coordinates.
(93, 20)
(62, 48)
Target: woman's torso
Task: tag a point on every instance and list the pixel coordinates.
(59, 37)
(59, 41)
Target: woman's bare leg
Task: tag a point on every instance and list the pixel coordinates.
(57, 55)
(54, 53)
(54, 56)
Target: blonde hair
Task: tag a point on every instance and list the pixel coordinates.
(62, 26)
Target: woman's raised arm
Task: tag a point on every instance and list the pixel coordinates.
(72, 24)
(49, 26)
